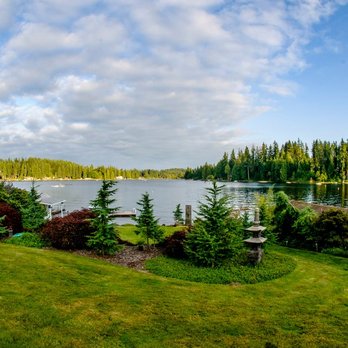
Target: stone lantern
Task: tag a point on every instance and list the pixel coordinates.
(255, 242)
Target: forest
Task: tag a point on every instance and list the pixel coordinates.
(293, 161)
(41, 169)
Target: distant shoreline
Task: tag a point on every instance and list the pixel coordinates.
(145, 179)
(86, 179)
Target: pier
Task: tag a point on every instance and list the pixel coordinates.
(125, 213)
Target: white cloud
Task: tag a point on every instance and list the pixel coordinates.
(147, 84)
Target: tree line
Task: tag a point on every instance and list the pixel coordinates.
(293, 161)
(38, 168)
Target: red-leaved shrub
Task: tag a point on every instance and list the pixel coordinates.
(13, 218)
(69, 232)
(174, 244)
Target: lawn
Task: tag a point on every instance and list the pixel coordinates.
(127, 232)
(56, 299)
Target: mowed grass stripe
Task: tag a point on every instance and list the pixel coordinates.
(56, 299)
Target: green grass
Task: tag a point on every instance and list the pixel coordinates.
(56, 299)
(127, 232)
(274, 265)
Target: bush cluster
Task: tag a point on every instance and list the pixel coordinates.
(173, 245)
(336, 252)
(331, 229)
(22, 209)
(305, 228)
(27, 239)
(69, 232)
(13, 218)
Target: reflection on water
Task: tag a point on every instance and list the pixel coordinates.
(168, 193)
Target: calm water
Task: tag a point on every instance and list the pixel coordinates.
(167, 194)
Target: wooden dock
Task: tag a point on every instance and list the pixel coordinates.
(319, 208)
(125, 214)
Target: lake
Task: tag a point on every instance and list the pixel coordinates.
(167, 194)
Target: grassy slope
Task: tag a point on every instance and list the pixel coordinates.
(55, 299)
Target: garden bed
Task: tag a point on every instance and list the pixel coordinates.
(152, 260)
(129, 256)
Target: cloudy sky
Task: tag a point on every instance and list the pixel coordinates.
(169, 83)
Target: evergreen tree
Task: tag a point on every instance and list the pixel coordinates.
(212, 239)
(3, 229)
(146, 224)
(235, 174)
(178, 215)
(266, 205)
(343, 160)
(103, 240)
(284, 217)
(227, 171)
(283, 173)
(33, 213)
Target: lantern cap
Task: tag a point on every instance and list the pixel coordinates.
(255, 240)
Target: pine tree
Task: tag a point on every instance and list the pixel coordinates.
(33, 213)
(213, 238)
(146, 224)
(103, 240)
(177, 214)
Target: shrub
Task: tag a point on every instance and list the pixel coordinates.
(69, 232)
(336, 252)
(331, 229)
(13, 218)
(174, 244)
(304, 235)
(14, 196)
(27, 239)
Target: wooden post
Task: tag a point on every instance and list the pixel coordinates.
(188, 215)
(49, 212)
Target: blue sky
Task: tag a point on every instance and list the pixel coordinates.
(169, 83)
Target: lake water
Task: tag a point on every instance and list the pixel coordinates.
(167, 194)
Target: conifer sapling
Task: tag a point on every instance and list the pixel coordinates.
(146, 224)
(103, 240)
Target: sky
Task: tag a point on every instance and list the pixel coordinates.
(169, 83)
